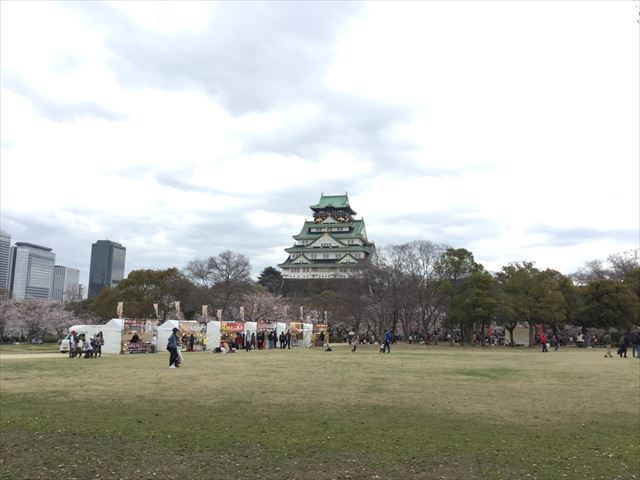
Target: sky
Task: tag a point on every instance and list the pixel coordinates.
(181, 130)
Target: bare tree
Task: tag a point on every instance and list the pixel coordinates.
(199, 271)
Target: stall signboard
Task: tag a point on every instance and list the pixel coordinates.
(266, 326)
(232, 327)
(320, 327)
(187, 328)
(140, 330)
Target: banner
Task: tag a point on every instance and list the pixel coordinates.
(119, 309)
(232, 327)
(155, 307)
(219, 313)
(266, 326)
(242, 314)
(205, 311)
(177, 304)
(320, 327)
(301, 313)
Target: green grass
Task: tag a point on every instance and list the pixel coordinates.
(434, 413)
(28, 348)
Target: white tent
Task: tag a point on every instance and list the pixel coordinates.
(280, 328)
(307, 334)
(520, 335)
(165, 330)
(250, 328)
(213, 335)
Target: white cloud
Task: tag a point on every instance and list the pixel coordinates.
(509, 128)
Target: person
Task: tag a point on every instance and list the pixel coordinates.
(192, 341)
(247, 342)
(204, 343)
(172, 347)
(97, 347)
(354, 345)
(388, 338)
(288, 339)
(88, 348)
(73, 343)
(283, 340)
(154, 343)
(543, 342)
(607, 344)
(624, 344)
(253, 340)
(556, 340)
(322, 339)
(635, 344)
(135, 338)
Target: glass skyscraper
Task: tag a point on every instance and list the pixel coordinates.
(5, 249)
(32, 269)
(107, 266)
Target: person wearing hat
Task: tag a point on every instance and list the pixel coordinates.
(172, 347)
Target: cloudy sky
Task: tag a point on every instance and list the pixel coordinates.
(180, 130)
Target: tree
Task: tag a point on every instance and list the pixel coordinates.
(199, 271)
(609, 304)
(475, 304)
(263, 306)
(455, 268)
(271, 278)
(139, 291)
(230, 273)
(529, 295)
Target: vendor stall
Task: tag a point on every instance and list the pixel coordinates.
(295, 328)
(232, 334)
(320, 334)
(186, 327)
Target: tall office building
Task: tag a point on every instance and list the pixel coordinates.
(31, 271)
(107, 266)
(5, 249)
(66, 284)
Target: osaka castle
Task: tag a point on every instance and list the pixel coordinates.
(331, 244)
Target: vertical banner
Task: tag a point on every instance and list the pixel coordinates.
(301, 313)
(205, 312)
(219, 313)
(119, 309)
(308, 318)
(177, 308)
(242, 314)
(155, 309)
(325, 316)
(285, 313)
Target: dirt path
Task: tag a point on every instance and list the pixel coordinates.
(16, 356)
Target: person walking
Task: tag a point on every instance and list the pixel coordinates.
(388, 338)
(607, 344)
(635, 343)
(172, 347)
(623, 345)
(154, 343)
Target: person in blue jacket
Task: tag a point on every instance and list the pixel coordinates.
(388, 338)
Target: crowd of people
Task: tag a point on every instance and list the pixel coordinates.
(83, 348)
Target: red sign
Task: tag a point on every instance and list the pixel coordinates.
(232, 327)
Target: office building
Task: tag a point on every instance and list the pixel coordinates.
(31, 271)
(66, 284)
(5, 249)
(107, 266)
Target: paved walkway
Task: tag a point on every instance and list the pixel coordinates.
(29, 356)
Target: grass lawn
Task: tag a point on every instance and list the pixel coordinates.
(423, 413)
(29, 348)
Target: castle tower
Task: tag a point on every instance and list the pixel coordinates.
(331, 244)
